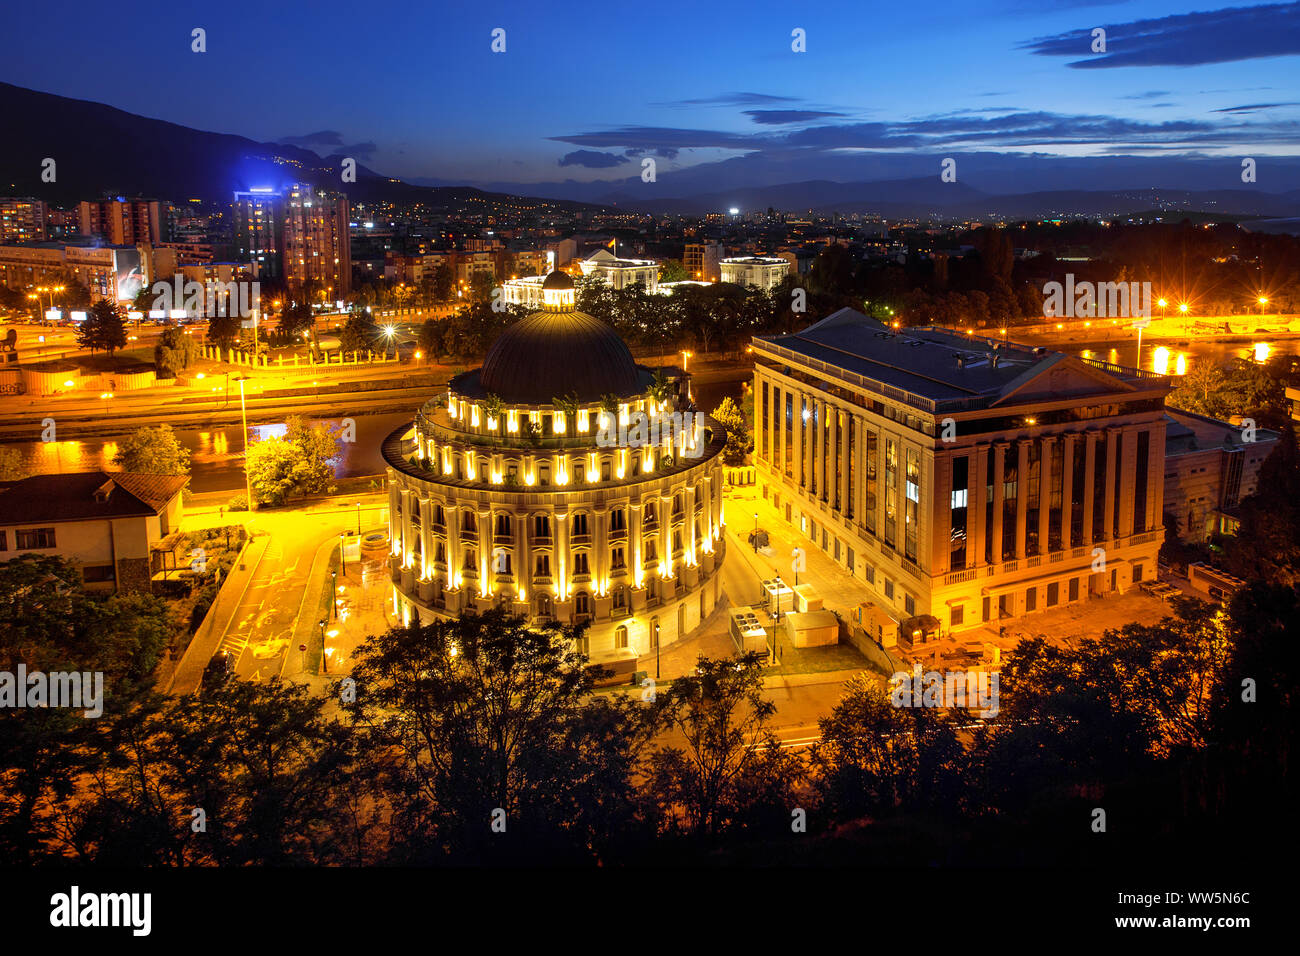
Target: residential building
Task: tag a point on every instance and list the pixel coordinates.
(122, 222)
(257, 230)
(106, 523)
(702, 261)
(317, 245)
(22, 219)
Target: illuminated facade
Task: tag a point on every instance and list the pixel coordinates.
(765, 272)
(958, 477)
(317, 245)
(507, 491)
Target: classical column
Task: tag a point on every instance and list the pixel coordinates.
(1156, 477)
(825, 449)
(1128, 475)
(1112, 454)
(1022, 495)
(601, 567)
(1067, 491)
(487, 567)
(563, 572)
(1089, 439)
(426, 558)
(939, 559)
(635, 553)
(1045, 492)
(666, 533)
(408, 538)
(844, 421)
(976, 502)
(454, 559)
(999, 490)
(688, 526)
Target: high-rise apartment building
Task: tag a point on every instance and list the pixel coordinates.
(123, 222)
(257, 231)
(22, 219)
(317, 247)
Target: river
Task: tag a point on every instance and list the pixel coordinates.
(216, 463)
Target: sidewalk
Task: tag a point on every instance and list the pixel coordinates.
(189, 672)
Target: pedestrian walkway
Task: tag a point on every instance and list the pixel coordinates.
(189, 672)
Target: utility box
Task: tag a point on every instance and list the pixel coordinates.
(806, 598)
(812, 628)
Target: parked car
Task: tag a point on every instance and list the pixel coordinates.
(219, 670)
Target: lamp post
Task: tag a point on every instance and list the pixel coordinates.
(343, 557)
(656, 650)
(756, 532)
(243, 414)
(1263, 301)
(324, 658)
(334, 594)
(358, 521)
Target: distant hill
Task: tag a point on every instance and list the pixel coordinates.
(101, 150)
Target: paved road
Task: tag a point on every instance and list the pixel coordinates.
(260, 637)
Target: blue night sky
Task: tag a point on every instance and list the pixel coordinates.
(585, 90)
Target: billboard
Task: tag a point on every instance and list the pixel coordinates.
(129, 274)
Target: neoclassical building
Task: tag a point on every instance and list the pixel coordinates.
(530, 485)
(967, 478)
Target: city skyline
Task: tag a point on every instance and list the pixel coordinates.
(720, 100)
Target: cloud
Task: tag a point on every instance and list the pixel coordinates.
(1253, 108)
(964, 129)
(329, 142)
(326, 137)
(592, 159)
(1185, 39)
(663, 152)
(732, 99)
(782, 117)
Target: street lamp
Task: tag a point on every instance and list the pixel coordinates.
(1263, 301)
(343, 556)
(756, 532)
(1162, 303)
(358, 523)
(324, 658)
(243, 414)
(334, 594)
(656, 650)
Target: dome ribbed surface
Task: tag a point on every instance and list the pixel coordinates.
(551, 354)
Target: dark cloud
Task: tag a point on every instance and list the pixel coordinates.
(782, 117)
(329, 142)
(965, 128)
(1253, 108)
(326, 137)
(1148, 95)
(1185, 39)
(732, 99)
(592, 159)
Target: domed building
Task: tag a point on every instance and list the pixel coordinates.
(550, 481)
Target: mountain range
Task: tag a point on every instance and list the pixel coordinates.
(99, 150)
